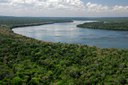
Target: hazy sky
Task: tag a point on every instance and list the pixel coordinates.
(64, 8)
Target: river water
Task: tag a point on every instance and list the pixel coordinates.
(69, 33)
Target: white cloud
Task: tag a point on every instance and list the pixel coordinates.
(42, 8)
(59, 8)
(120, 8)
(54, 4)
(96, 7)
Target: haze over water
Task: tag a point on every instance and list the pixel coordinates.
(69, 33)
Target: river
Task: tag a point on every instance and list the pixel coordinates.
(69, 33)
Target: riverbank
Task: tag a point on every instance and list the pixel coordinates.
(117, 26)
(36, 24)
(26, 61)
(31, 24)
(69, 33)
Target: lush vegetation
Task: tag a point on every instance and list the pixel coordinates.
(29, 21)
(26, 61)
(112, 19)
(107, 25)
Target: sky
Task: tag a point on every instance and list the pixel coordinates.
(64, 8)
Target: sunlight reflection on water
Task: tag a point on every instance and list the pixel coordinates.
(69, 33)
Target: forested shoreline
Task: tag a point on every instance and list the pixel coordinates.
(121, 26)
(26, 61)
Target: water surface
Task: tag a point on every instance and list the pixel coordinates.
(69, 33)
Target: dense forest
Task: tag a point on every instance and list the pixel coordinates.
(26, 61)
(122, 26)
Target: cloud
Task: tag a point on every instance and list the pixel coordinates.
(59, 8)
(93, 7)
(3, 1)
(42, 8)
(96, 7)
(49, 4)
(120, 8)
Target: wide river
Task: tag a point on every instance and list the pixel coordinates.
(69, 33)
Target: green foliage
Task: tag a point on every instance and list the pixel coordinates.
(16, 81)
(106, 25)
(29, 21)
(34, 81)
(26, 61)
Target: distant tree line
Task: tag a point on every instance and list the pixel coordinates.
(106, 25)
